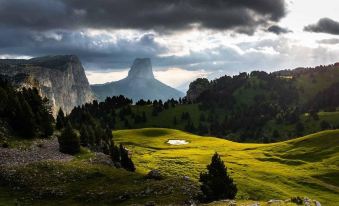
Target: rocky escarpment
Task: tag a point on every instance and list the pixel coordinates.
(139, 84)
(196, 88)
(59, 78)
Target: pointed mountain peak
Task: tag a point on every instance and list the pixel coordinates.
(141, 68)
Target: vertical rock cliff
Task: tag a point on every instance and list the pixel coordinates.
(60, 78)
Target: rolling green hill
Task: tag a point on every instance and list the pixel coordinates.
(307, 166)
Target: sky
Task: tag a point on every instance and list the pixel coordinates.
(185, 39)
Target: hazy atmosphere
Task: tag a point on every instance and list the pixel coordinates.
(232, 36)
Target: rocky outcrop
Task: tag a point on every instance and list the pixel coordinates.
(196, 88)
(139, 84)
(60, 78)
(141, 69)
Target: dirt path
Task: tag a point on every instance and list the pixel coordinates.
(40, 150)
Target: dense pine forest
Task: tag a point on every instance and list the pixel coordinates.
(26, 112)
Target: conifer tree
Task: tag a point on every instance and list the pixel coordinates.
(144, 118)
(69, 141)
(115, 154)
(84, 136)
(175, 121)
(60, 120)
(28, 125)
(216, 183)
(126, 161)
(46, 124)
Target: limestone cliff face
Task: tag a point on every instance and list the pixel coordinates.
(59, 78)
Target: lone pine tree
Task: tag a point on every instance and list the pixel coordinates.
(216, 183)
(60, 120)
(69, 141)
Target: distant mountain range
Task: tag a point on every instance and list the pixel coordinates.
(139, 84)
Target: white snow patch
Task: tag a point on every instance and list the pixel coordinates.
(177, 142)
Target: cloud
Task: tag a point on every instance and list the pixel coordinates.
(329, 41)
(278, 30)
(98, 51)
(240, 16)
(101, 77)
(324, 25)
(179, 78)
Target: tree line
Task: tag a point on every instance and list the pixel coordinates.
(26, 112)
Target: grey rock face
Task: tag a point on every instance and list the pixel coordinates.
(141, 69)
(59, 78)
(196, 88)
(140, 84)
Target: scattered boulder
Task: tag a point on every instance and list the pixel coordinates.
(230, 202)
(317, 203)
(154, 174)
(101, 158)
(270, 202)
(150, 203)
(186, 177)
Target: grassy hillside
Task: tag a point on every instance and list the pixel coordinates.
(85, 181)
(307, 166)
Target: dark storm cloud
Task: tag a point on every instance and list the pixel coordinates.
(240, 15)
(95, 52)
(50, 27)
(278, 30)
(324, 25)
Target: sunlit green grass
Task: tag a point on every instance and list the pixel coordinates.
(307, 166)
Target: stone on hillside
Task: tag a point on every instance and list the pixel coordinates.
(154, 174)
(317, 203)
(101, 158)
(150, 203)
(270, 202)
(229, 202)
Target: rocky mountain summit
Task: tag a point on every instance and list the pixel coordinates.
(139, 84)
(60, 78)
(141, 68)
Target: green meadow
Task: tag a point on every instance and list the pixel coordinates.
(307, 166)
